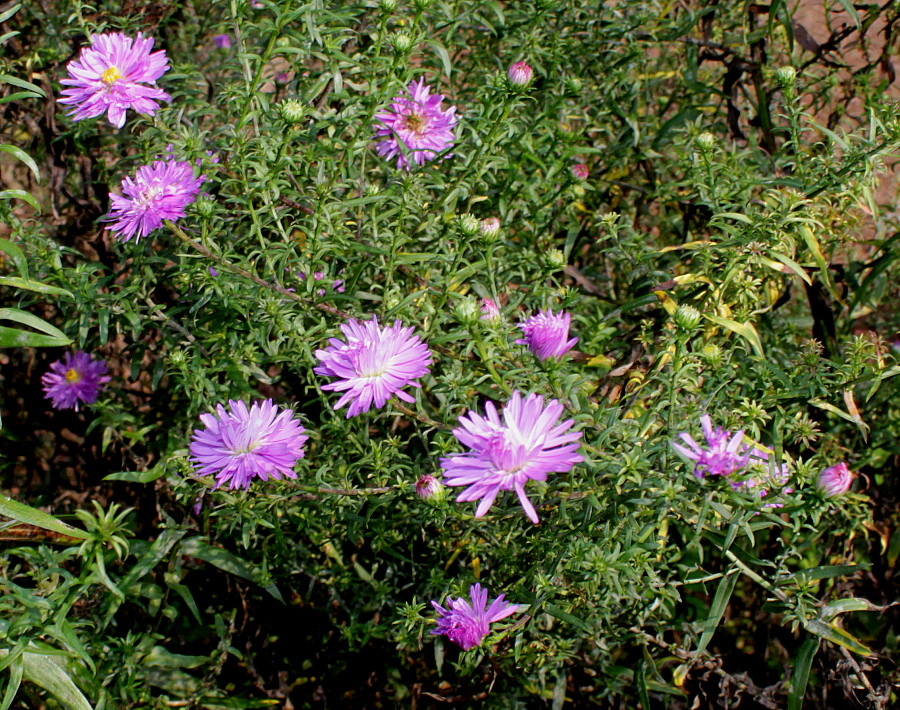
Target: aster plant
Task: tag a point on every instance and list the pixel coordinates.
(547, 334)
(157, 192)
(467, 623)
(114, 74)
(527, 443)
(239, 444)
(374, 364)
(75, 380)
(415, 129)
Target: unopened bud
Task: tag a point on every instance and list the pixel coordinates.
(711, 354)
(835, 480)
(387, 5)
(786, 77)
(465, 311)
(580, 171)
(205, 206)
(574, 84)
(706, 142)
(555, 259)
(401, 42)
(430, 488)
(520, 74)
(293, 111)
(468, 224)
(687, 318)
(421, 4)
(490, 229)
(489, 311)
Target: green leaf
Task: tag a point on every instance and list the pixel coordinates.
(16, 669)
(745, 330)
(4, 16)
(15, 338)
(47, 673)
(824, 572)
(20, 195)
(19, 316)
(22, 84)
(717, 610)
(802, 667)
(32, 516)
(24, 157)
(227, 562)
(558, 613)
(835, 634)
(843, 606)
(37, 286)
(149, 476)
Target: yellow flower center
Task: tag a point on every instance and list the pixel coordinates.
(110, 76)
(72, 376)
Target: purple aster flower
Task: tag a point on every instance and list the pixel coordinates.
(242, 443)
(725, 453)
(374, 364)
(466, 624)
(74, 380)
(114, 74)
(415, 128)
(489, 310)
(520, 74)
(835, 480)
(547, 334)
(222, 41)
(504, 455)
(157, 192)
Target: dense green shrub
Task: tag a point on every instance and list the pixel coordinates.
(692, 183)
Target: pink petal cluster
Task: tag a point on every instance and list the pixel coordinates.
(725, 453)
(835, 480)
(114, 74)
(157, 192)
(415, 128)
(467, 623)
(76, 379)
(240, 444)
(527, 444)
(520, 74)
(547, 334)
(374, 364)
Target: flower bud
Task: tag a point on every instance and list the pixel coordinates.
(468, 224)
(835, 480)
(430, 488)
(489, 311)
(177, 357)
(706, 142)
(520, 74)
(687, 318)
(372, 190)
(490, 229)
(555, 259)
(465, 311)
(293, 111)
(580, 171)
(786, 77)
(222, 41)
(387, 5)
(574, 84)
(711, 354)
(421, 4)
(205, 206)
(401, 42)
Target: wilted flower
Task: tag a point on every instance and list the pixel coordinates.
(504, 455)
(429, 487)
(547, 333)
(114, 74)
(726, 452)
(520, 74)
(222, 41)
(74, 380)
(466, 624)
(489, 310)
(241, 444)
(580, 171)
(762, 480)
(835, 480)
(157, 192)
(374, 364)
(415, 128)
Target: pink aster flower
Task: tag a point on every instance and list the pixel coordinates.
(725, 453)
(547, 333)
(835, 480)
(490, 228)
(520, 74)
(465, 623)
(114, 74)
(76, 379)
(415, 128)
(222, 41)
(504, 455)
(428, 488)
(374, 364)
(157, 192)
(239, 444)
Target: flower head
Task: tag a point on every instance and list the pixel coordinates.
(465, 623)
(547, 334)
(835, 480)
(520, 74)
(239, 444)
(222, 41)
(429, 488)
(415, 128)
(725, 453)
(74, 380)
(114, 74)
(489, 311)
(527, 444)
(580, 171)
(157, 192)
(490, 228)
(374, 364)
